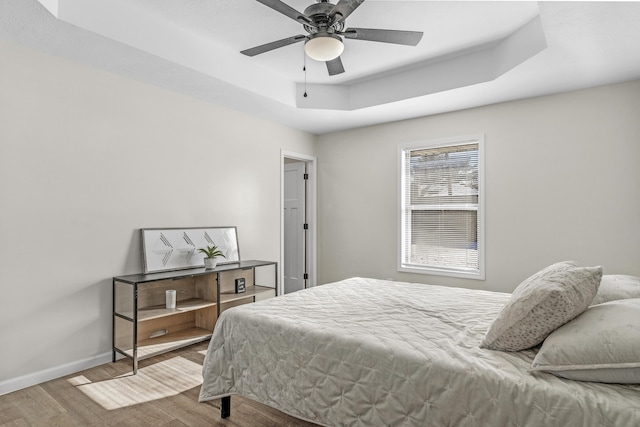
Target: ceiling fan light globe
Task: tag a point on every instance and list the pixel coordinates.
(324, 47)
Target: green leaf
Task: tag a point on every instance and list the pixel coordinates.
(211, 252)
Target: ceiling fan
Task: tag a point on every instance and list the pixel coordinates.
(325, 23)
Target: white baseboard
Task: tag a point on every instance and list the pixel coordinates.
(14, 384)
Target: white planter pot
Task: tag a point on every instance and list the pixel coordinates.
(210, 263)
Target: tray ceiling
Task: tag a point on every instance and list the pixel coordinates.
(472, 53)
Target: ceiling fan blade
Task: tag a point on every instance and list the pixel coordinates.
(287, 10)
(410, 38)
(335, 66)
(273, 45)
(344, 8)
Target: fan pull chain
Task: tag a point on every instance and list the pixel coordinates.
(304, 68)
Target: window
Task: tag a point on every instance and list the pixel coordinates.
(441, 217)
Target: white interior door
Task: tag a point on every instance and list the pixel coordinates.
(294, 232)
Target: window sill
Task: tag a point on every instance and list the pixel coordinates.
(474, 275)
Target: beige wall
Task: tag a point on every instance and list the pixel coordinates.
(88, 158)
(562, 182)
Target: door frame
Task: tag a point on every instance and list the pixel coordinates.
(312, 217)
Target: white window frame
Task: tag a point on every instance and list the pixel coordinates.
(444, 271)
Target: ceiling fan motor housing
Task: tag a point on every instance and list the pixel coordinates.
(319, 15)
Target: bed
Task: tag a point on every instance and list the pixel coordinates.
(373, 352)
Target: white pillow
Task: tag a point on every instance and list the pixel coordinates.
(617, 286)
(542, 303)
(602, 344)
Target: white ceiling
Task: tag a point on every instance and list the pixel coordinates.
(472, 53)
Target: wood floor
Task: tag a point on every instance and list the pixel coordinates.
(163, 393)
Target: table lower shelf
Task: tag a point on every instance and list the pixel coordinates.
(172, 341)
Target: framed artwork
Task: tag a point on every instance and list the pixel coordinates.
(167, 249)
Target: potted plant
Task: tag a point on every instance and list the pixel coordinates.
(211, 252)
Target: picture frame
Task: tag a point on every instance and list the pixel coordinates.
(169, 249)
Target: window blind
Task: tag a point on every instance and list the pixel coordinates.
(440, 194)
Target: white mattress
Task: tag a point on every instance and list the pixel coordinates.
(372, 352)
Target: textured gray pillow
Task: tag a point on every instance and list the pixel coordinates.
(617, 286)
(542, 303)
(602, 344)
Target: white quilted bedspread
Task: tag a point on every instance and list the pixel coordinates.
(375, 353)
